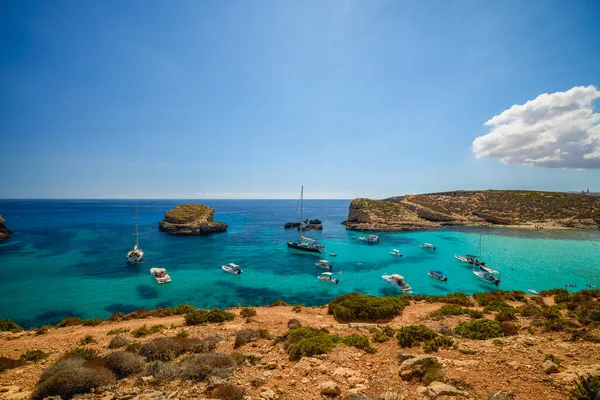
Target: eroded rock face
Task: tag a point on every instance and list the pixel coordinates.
(4, 231)
(191, 220)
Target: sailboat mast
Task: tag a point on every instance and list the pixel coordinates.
(479, 253)
(136, 225)
(301, 199)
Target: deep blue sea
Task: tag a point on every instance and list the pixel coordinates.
(67, 257)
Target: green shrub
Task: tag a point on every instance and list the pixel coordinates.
(133, 347)
(82, 352)
(69, 321)
(9, 325)
(184, 309)
(125, 363)
(141, 332)
(311, 346)
(360, 342)
(240, 358)
(195, 368)
(92, 322)
(382, 335)
(448, 309)
(248, 312)
(117, 331)
(118, 341)
(162, 349)
(586, 388)
(162, 372)
(9, 363)
(434, 344)
(457, 298)
(528, 310)
(505, 316)
(509, 329)
(480, 329)
(360, 307)
(475, 314)
(279, 303)
(303, 332)
(71, 376)
(43, 330)
(213, 316)
(562, 297)
(552, 358)
(590, 337)
(297, 308)
(116, 317)
(182, 334)
(412, 334)
(87, 339)
(498, 305)
(34, 355)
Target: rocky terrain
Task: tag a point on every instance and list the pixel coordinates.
(430, 349)
(190, 220)
(508, 208)
(4, 231)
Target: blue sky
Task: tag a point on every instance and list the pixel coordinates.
(251, 99)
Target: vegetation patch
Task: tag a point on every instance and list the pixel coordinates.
(10, 326)
(505, 316)
(203, 316)
(87, 339)
(145, 331)
(360, 307)
(586, 388)
(9, 363)
(246, 336)
(34, 355)
(117, 331)
(448, 309)
(117, 342)
(162, 372)
(382, 335)
(312, 346)
(92, 322)
(248, 312)
(434, 344)
(69, 321)
(480, 329)
(360, 342)
(184, 309)
(86, 353)
(410, 335)
(509, 329)
(457, 298)
(125, 363)
(498, 305)
(552, 358)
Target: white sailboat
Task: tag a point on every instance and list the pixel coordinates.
(135, 255)
(304, 243)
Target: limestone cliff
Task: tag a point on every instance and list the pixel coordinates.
(190, 220)
(4, 231)
(514, 208)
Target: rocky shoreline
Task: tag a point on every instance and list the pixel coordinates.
(191, 220)
(489, 208)
(5, 233)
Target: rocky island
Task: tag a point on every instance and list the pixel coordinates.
(508, 208)
(4, 231)
(191, 220)
(308, 225)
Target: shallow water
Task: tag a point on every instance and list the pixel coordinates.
(67, 257)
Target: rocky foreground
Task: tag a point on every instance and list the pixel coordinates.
(191, 220)
(4, 231)
(509, 208)
(428, 351)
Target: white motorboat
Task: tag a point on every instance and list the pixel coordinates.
(533, 291)
(161, 275)
(135, 255)
(439, 275)
(232, 268)
(370, 239)
(327, 277)
(428, 246)
(486, 274)
(396, 252)
(397, 281)
(324, 264)
(332, 255)
(469, 259)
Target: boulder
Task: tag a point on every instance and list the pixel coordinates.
(330, 388)
(437, 389)
(417, 366)
(191, 220)
(345, 372)
(290, 225)
(549, 367)
(268, 394)
(315, 221)
(4, 231)
(294, 323)
(400, 356)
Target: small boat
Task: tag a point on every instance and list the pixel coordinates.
(396, 252)
(438, 275)
(570, 285)
(397, 281)
(470, 259)
(332, 255)
(161, 275)
(305, 244)
(135, 255)
(486, 274)
(533, 291)
(232, 268)
(327, 277)
(428, 246)
(370, 239)
(323, 264)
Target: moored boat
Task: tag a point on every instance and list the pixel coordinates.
(533, 291)
(305, 244)
(232, 268)
(428, 246)
(332, 255)
(323, 264)
(327, 277)
(470, 259)
(486, 274)
(135, 255)
(370, 239)
(397, 281)
(396, 252)
(439, 275)
(161, 275)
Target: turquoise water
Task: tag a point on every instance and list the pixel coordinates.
(68, 258)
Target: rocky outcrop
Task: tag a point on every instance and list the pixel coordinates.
(511, 208)
(191, 220)
(312, 225)
(4, 231)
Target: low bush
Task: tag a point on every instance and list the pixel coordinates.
(69, 321)
(213, 316)
(145, 331)
(86, 353)
(382, 335)
(143, 313)
(509, 329)
(116, 317)
(240, 358)
(413, 334)
(125, 363)
(182, 334)
(480, 329)
(162, 372)
(117, 331)
(528, 310)
(117, 342)
(9, 363)
(457, 298)
(184, 309)
(227, 391)
(34, 355)
(434, 344)
(586, 388)
(311, 346)
(248, 312)
(552, 358)
(245, 336)
(71, 376)
(297, 308)
(505, 316)
(590, 337)
(87, 339)
(133, 347)
(9, 325)
(448, 309)
(360, 307)
(475, 314)
(162, 349)
(43, 330)
(552, 292)
(360, 342)
(279, 303)
(92, 322)
(484, 298)
(498, 305)
(195, 369)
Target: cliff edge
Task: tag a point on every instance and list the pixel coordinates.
(191, 220)
(4, 231)
(509, 208)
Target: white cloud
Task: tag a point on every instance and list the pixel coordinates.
(558, 130)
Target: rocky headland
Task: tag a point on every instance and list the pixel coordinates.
(191, 220)
(4, 231)
(498, 345)
(502, 208)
